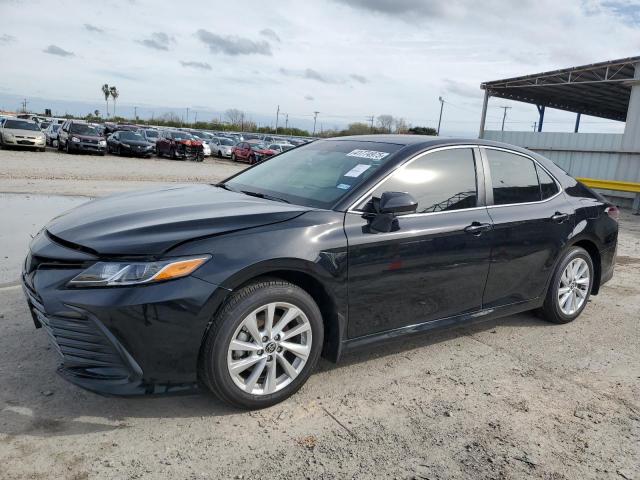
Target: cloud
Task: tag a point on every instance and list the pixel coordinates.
(233, 45)
(7, 39)
(359, 78)
(400, 8)
(310, 74)
(158, 41)
(270, 34)
(55, 50)
(93, 28)
(197, 65)
(309, 97)
(462, 89)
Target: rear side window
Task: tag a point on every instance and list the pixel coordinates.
(548, 186)
(439, 181)
(513, 178)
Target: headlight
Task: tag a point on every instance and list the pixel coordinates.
(75, 139)
(113, 274)
(102, 143)
(8, 136)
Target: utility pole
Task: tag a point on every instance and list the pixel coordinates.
(286, 122)
(315, 117)
(195, 120)
(535, 125)
(370, 120)
(441, 108)
(504, 116)
(277, 117)
(135, 113)
(187, 123)
(24, 106)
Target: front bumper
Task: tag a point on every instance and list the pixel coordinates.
(136, 151)
(88, 147)
(120, 341)
(24, 142)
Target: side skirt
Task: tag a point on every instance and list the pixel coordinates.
(443, 323)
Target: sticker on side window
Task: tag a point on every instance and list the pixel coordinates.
(370, 154)
(357, 170)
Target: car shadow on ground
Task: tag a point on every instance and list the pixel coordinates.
(46, 405)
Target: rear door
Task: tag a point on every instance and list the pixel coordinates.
(435, 264)
(532, 224)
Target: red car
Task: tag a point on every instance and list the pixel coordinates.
(179, 145)
(250, 152)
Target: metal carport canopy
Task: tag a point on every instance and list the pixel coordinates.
(599, 89)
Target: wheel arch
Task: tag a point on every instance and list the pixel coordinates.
(593, 251)
(300, 273)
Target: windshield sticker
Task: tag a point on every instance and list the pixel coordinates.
(370, 154)
(344, 186)
(358, 169)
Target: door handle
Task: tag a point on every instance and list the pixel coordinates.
(560, 217)
(476, 228)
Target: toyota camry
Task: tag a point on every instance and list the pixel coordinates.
(339, 244)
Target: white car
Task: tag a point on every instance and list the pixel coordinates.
(206, 149)
(16, 132)
(223, 146)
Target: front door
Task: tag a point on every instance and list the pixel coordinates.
(435, 264)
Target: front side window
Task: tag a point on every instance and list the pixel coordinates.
(439, 181)
(318, 174)
(513, 178)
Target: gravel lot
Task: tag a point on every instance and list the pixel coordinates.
(511, 399)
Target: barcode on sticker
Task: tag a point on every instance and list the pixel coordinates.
(370, 154)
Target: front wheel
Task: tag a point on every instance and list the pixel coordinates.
(233, 157)
(263, 345)
(570, 287)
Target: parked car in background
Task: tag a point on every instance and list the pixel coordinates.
(44, 125)
(51, 134)
(129, 143)
(206, 139)
(78, 136)
(251, 152)
(177, 144)
(280, 147)
(16, 132)
(223, 147)
(150, 135)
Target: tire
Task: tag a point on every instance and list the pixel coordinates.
(67, 147)
(214, 371)
(43, 149)
(233, 157)
(252, 160)
(172, 154)
(579, 288)
(219, 153)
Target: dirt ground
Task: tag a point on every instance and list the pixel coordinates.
(516, 398)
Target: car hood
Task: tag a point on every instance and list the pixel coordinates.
(136, 143)
(153, 221)
(25, 133)
(84, 138)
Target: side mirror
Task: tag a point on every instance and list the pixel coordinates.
(397, 203)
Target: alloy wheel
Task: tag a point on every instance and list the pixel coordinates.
(269, 348)
(574, 286)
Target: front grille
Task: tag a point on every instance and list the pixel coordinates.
(82, 342)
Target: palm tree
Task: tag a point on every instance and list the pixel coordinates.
(114, 94)
(106, 92)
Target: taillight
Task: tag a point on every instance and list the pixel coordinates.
(613, 212)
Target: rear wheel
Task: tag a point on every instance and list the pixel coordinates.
(233, 157)
(263, 345)
(219, 154)
(570, 287)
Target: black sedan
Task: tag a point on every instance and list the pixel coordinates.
(129, 143)
(332, 246)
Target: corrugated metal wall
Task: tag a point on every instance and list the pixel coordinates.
(591, 155)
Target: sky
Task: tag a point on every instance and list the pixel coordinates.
(347, 59)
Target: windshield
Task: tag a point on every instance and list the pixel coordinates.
(226, 141)
(55, 128)
(151, 133)
(181, 136)
(82, 129)
(257, 146)
(318, 174)
(131, 136)
(20, 125)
